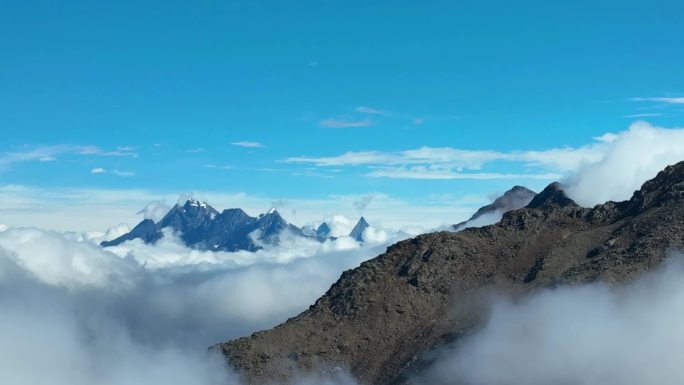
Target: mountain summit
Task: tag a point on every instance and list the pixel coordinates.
(200, 226)
(513, 199)
(357, 231)
(382, 319)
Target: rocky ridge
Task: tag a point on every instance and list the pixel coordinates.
(380, 319)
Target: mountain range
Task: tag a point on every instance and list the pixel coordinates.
(202, 227)
(382, 319)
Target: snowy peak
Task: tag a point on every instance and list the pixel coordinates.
(202, 227)
(196, 207)
(271, 223)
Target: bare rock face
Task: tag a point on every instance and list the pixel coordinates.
(377, 320)
(513, 199)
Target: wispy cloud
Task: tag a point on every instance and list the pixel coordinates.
(195, 150)
(646, 115)
(668, 100)
(51, 153)
(344, 123)
(220, 167)
(427, 173)
(248, 144)
(32, 154)
(372, 111)
(98, 170)
(124, 151)
(125, 174)
(619, 162)
(567, 158)
(380, 115)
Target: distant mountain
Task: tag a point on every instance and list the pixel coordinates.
(323, 231)
(357, 231)
(513, 199)
(202, 227)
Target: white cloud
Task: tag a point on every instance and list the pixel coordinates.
(88, 209)
(26, 154)
(347, 159)
(371, 111)
(50, 153)
(559, 159)
(96, 317)
(248, 144)
(627, 160)
(59, 262)
(668, 100)
(155, 210)
(98, 170)
(124, 174)
(644, 115)
(344, 123)
(218, 167)
(419, 172)
(617, 162)
(138, 313)
(583, 335)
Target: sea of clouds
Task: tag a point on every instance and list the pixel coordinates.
(75, 313)
(584, 335)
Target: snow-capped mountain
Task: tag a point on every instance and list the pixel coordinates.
(200, 226)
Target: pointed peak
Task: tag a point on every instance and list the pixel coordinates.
(357, 231)
(323, 230)
(519, 190)
(323, 226)
(272, 212)
(552, 196)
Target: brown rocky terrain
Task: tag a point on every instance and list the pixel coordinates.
(377, 320)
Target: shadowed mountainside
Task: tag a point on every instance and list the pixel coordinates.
(379, 319)
(513, 199)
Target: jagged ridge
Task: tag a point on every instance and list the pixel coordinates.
(379, 318)
(200, 226)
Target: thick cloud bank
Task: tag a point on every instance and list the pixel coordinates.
(585, 335)
(625, 161)
(74, 313)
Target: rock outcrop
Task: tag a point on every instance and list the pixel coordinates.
(379, 319)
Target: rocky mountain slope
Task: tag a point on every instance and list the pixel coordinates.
(513, 199)
(379, 319)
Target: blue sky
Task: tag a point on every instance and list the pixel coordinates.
(246, 97)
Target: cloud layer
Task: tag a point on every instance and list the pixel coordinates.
(628, 159)
(610, 168)
(137, 313)
(584, 335)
